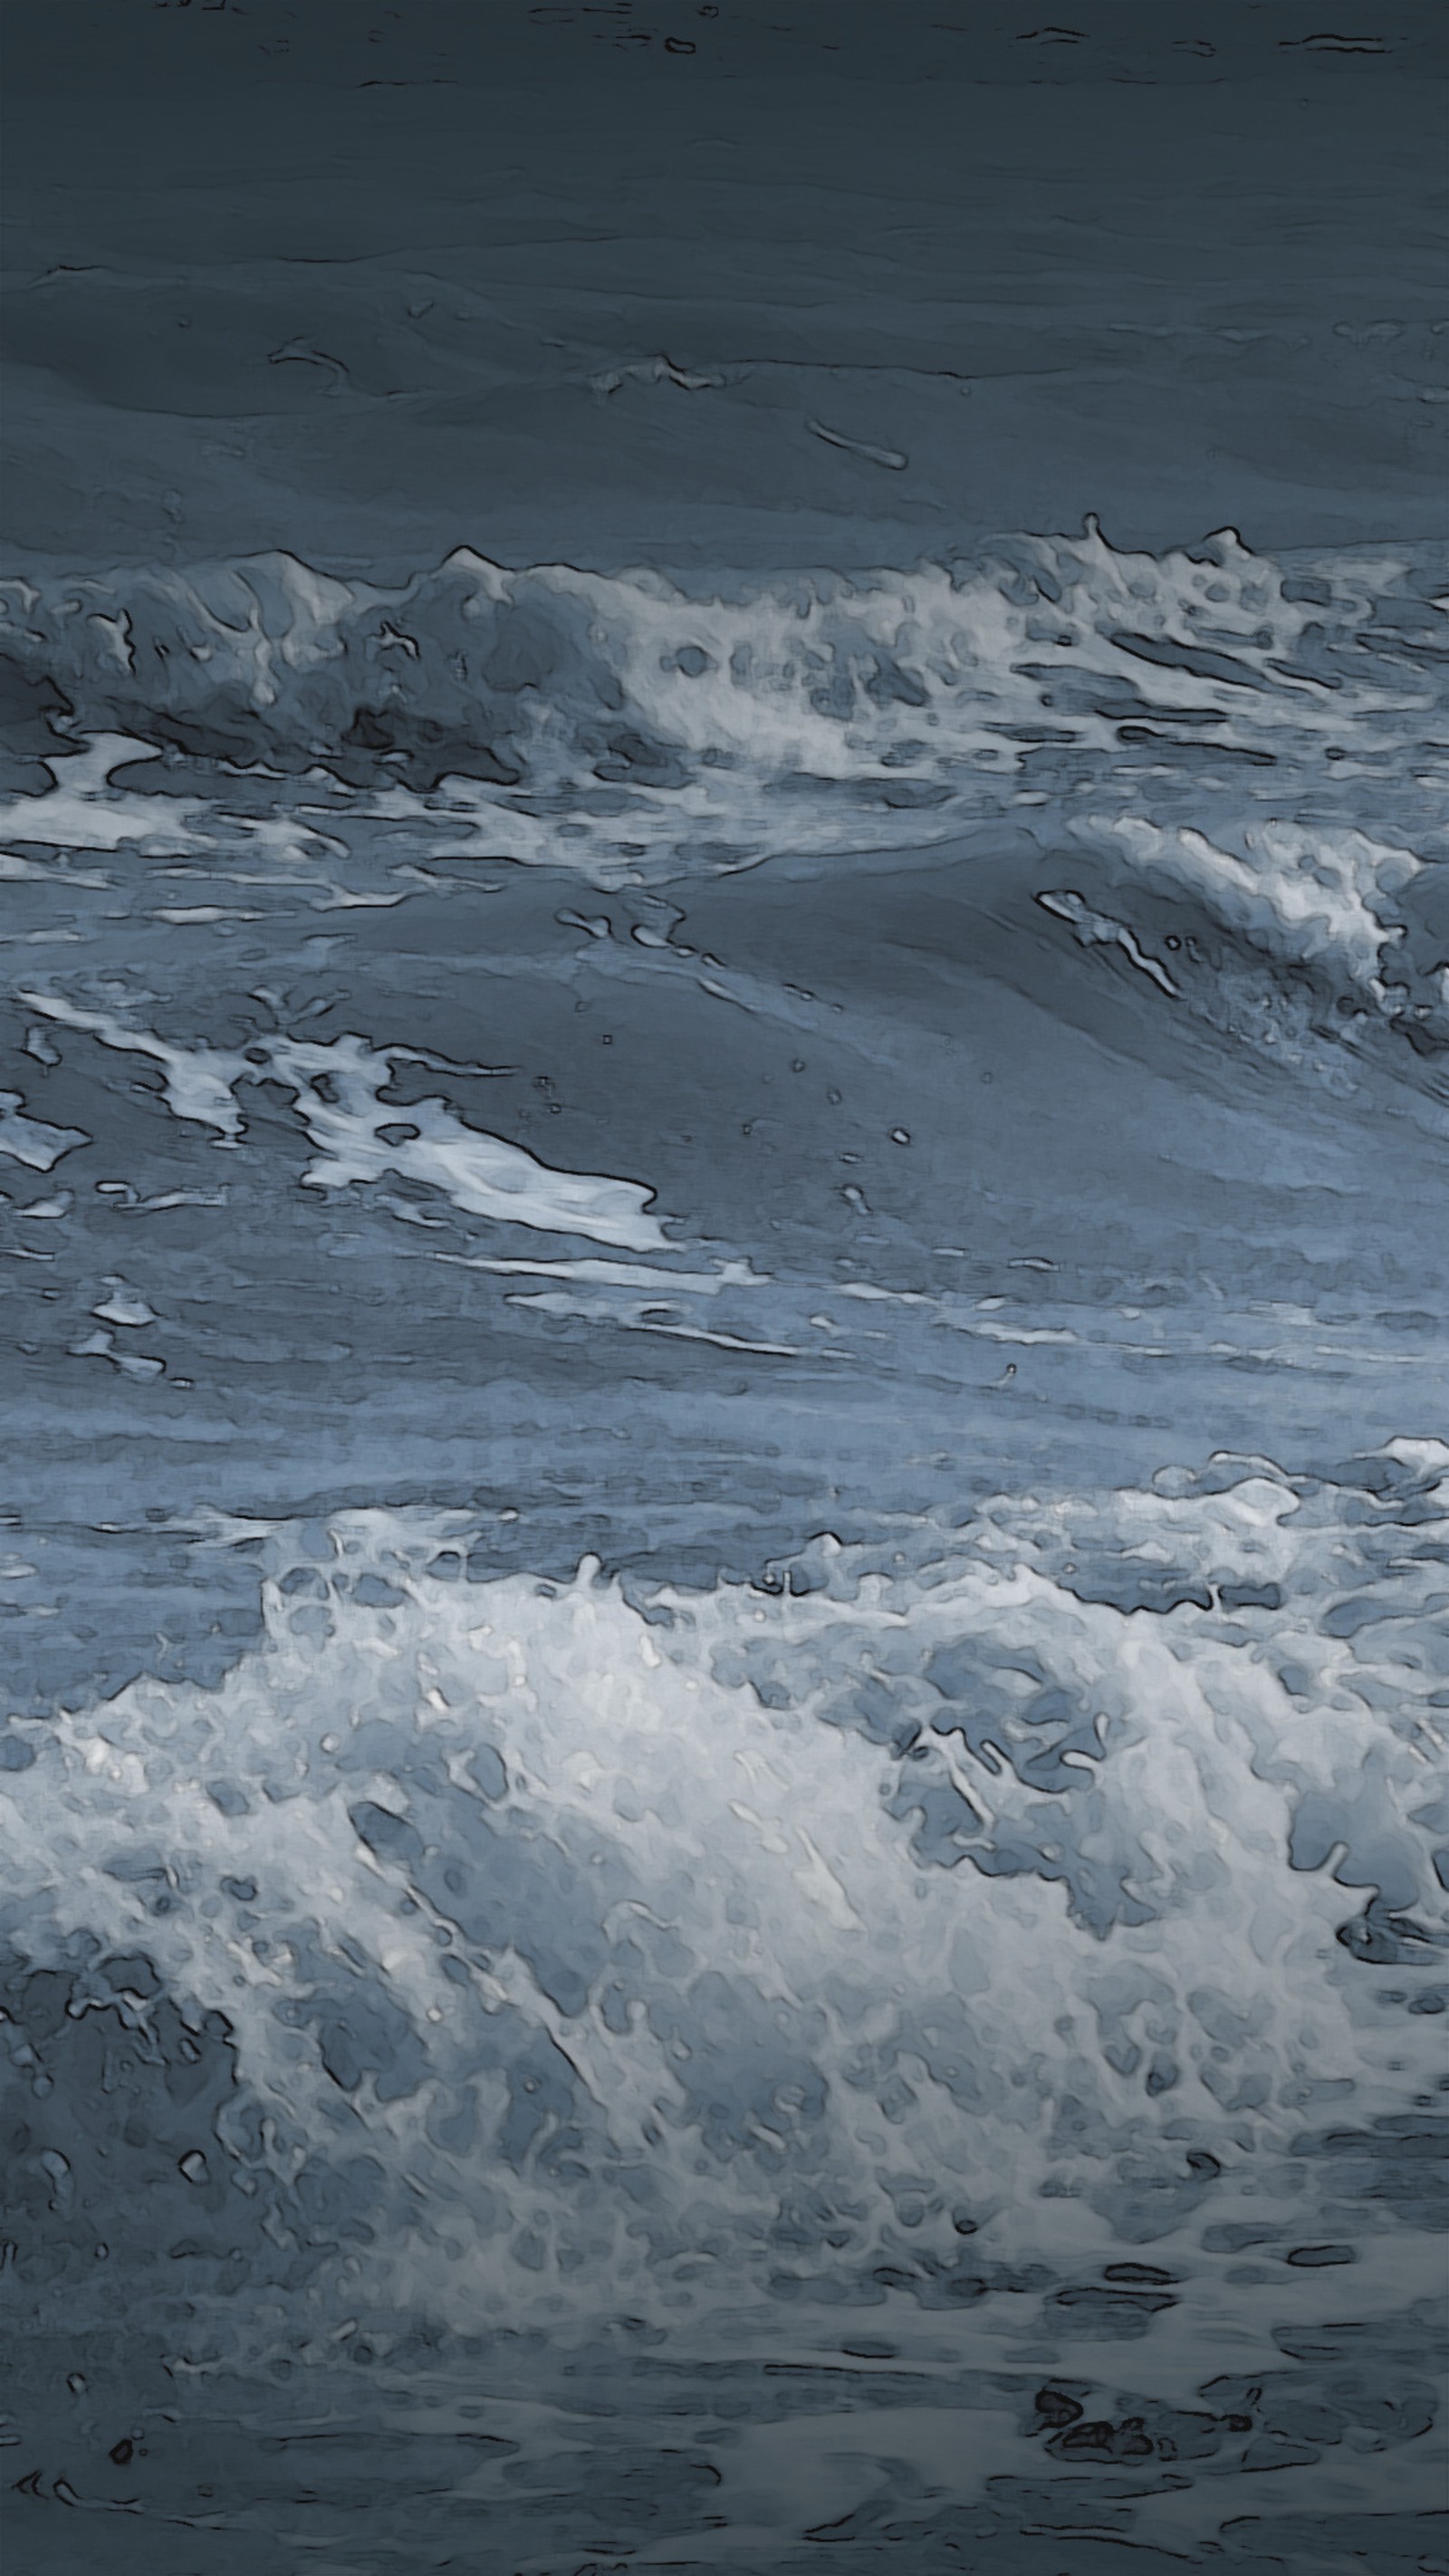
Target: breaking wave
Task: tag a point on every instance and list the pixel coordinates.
(496, 1947)
(1210, 745)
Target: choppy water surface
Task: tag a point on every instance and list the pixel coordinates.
(686, 1877)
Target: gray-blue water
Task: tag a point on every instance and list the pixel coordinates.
(723, 1113)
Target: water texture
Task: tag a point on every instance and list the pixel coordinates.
(725, 1026)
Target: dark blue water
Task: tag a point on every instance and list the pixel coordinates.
(726, 1058)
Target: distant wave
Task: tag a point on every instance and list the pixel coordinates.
(1258, 744)
(896, 677)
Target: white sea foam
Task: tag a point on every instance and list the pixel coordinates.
(620, 1274)
(641, 1953)
(197, 1080)
(83, 811)
(121, 1305)
(357, 1135)
(656, 1315)
(1319, 896)
(33, 1141)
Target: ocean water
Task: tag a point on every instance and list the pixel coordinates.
(710, 1870)
(726, 1512)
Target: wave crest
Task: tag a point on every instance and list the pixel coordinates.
(1234, 748)
(815, 674)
